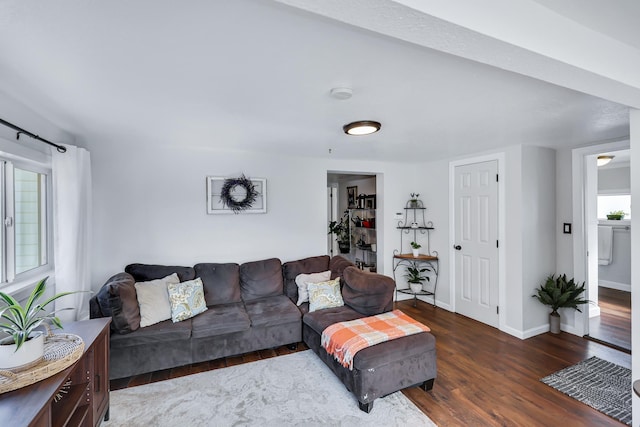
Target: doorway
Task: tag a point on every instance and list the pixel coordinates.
(611, 323)
(353, 199)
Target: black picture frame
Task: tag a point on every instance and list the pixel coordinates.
(370, 201)
(351, 197)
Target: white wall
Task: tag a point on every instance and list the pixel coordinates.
(614, 179)
(150, 207)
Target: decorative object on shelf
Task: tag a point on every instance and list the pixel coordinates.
(352, 194)
(62, 391)
(24, 346)
(414, 202)
(341, 230)
(236, 195)
(415, 278)
(558, 292)
(415, 248)
(616, 215)
(60, 352)
(370, 201)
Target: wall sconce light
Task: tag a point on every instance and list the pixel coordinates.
(603, 160)
(362, 127)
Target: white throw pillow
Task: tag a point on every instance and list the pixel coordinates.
(303, 280)
(153, 299)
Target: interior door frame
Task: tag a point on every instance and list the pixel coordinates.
(502, 274)
(580, 237)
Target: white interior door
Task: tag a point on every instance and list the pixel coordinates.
(476, 241)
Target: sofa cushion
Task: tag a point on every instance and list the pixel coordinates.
(394, 350)
(221, 282)
(321, 319)
(147, 272)
(337, 265)
(221, 319)
(160, 332)
(117, 298)
(272, 311)
(367, 293)
(325, 295)
(187, 299)
(261, 279)
(291, 269)
(153, 300)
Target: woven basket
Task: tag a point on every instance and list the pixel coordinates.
(60, 352)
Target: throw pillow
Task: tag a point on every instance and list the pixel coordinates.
(325, 295)
(187, 299)
(153, 299)
(303, 280)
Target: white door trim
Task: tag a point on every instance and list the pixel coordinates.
(581, 320)
(500, 157)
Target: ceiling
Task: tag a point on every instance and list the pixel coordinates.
(256, 75)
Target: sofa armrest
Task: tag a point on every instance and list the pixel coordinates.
(367, 293)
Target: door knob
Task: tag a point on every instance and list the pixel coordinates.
(457, 247)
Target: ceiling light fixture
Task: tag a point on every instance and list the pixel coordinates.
(362, 127)
(341, 93)
(604, 160)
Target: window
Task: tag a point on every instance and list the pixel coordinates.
(609, 203)
(26, 212)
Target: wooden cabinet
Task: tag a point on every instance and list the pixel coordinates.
(84, 399)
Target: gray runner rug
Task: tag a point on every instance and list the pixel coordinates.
(602, 385)
(292, 390)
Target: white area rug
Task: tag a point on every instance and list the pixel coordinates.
(292, 390)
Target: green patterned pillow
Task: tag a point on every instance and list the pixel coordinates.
(187, 299)
(325, 295)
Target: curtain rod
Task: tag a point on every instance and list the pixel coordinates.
(60, 148)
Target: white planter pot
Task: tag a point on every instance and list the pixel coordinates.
(416, 252)
(30, 352)
(415, 287)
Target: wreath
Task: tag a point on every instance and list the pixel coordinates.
(238, 205)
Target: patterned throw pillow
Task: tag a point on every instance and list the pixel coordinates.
(303, 280)
(325, 295)
(187, 300)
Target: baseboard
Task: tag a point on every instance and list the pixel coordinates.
(535, 331)
(615, 285)
(513, 332)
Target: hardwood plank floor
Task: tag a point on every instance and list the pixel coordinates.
(614, 323)
(485, 377)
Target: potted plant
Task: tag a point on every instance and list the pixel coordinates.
(616, 215)
(24, 345)
(558, 292)
(413, 201)
(415, 278)
(341, 230)
(415, 248)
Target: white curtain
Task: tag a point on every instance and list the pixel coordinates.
(72, 230)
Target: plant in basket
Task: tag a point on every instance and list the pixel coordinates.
(24, 345)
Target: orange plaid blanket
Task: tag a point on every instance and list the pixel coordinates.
(344, 339)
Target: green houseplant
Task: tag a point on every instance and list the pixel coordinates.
(415, 278)
(616, 215)
(415, 248)
(341, 230)
(24, 345)
(558, 292)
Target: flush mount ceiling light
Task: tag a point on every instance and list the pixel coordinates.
(362, 127)
(603, 160)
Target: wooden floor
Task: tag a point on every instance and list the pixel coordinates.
(485, 377)
(614, 323)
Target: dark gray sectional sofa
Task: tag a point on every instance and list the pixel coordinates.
(251, 307)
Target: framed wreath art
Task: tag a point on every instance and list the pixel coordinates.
(236, 195)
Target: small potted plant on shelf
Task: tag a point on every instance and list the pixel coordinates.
(616, 215)
(23, 345)
(341, 230)
(415, 248)
(558, 292)
(413, 201)
(415, 278)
